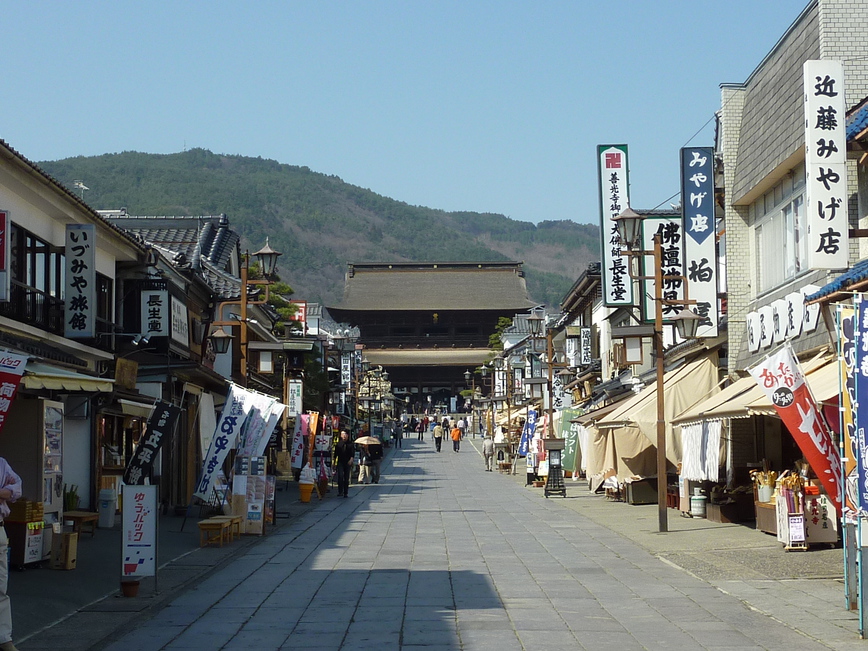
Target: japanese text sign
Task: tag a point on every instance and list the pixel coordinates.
(826, 165)
(527, 433)
(782, 380)
(80, 306)
(155, 313)
(161, 424)
(614, 199)
(700, 237)
(234, 413)
(860, 375)
(851, 460)
(294, 390)
(140, 513)
(11, 370)
(671, 240)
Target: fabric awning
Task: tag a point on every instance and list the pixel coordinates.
(681, 387)
(135, 408)
(744, 398)
(700, 411)
(54, 378)
(596, 414)
(824, 383)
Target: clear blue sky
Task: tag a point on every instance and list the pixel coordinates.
(489, 106)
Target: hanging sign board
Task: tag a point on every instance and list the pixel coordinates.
(614, 199)
(826, 165)
(80, 295)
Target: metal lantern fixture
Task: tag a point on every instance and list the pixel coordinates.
(267, 258)
(687, 323)
(467, 376)
(629, 224)
(534, 322)
(220, 339)
(498, 363)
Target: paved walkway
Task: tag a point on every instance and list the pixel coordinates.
(445, 556)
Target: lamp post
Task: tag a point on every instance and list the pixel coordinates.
(267, 258)
(686, 321)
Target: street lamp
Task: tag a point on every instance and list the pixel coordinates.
(629, 224)
(267, 258)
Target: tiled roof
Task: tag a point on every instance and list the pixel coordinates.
(436, 286)
(857, 273)
(857, 120)
(207, 237)
(204, 243)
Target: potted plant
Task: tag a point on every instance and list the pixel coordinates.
(71, 500)
(130, 587)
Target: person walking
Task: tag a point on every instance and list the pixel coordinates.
(375, 456)
(423, 428)
(456, 439)
(10, 491)
(488, 452)
(365, 465)
(462, 425)
(399, 434)
(438, 436)
(345, 453)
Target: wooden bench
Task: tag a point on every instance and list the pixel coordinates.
(504, 466)
(214, 530)
(80, 518)
(235, 522)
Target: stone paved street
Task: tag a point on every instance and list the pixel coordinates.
(443, 556)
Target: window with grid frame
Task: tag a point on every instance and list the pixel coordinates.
(779, 232)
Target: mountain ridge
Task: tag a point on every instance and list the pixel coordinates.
(320, 222)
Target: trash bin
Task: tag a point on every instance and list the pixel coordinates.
(107, 500)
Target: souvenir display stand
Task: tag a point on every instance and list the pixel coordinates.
(805, 519)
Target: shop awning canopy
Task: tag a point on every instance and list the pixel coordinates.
(44, 376)
(681, 388)
(824, 383)
(745, 398)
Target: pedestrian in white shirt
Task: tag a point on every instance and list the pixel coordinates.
(10, 492)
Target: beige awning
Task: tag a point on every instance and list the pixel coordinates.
(745, 398)
(54, 378)
(429, 357)
(681, 388)
(824, 383)
(727, 396)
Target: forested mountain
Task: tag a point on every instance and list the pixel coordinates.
(320, 223)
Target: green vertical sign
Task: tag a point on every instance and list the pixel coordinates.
(570, 434)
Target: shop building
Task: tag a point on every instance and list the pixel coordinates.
(61, 264)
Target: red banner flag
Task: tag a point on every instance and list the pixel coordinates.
(784, 383)
(11, 370)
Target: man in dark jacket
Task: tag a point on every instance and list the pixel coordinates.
(345, 452)
(375, 454)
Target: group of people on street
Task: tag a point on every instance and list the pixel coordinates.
(370, 459)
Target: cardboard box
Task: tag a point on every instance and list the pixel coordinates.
(64, 551)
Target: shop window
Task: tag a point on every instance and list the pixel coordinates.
(118, 438)
(780, 235)
(37, 274)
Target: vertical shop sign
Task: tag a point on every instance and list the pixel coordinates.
(783, 382)
(5, 276)
(140, 531)
(80, 306)
(860, 373)
(585, 346)
(527, 433)
(11, 369)
(849, 442)
(670, 231)
(160, 425)
(613, 179)
(294, 389)
(826, 165)
(155, 313)
(180, 322)
(225, 437)
(700, 236)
